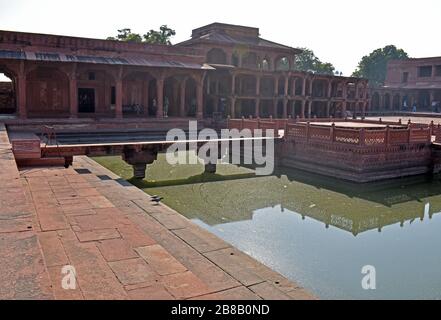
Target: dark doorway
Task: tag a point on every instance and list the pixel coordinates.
(86, 100)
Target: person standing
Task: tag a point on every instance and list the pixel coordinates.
(405, 105)
(414, 107)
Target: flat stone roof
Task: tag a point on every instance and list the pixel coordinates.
(355, 125)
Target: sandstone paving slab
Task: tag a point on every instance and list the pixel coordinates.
(238, 293)
(116, 249)
(153, 292)
(134, 236)
(203, 241)
(23, 274)
(134, 271)
(97, 235)
(160, 259)
(268, 292)
(16, 225)
(94, 275)
(185, 285)
(53, 250)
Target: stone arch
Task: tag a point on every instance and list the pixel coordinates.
(246, 85)
(396, 102)
(235, 59)
(137, 97)
(216, 56)
(171, 97)
(386, 103)
(100, 85)
(190, 106)
(375, 101)
(249, 60)
(8, 91)
(265, 64)
(282, 63)
(47, 92)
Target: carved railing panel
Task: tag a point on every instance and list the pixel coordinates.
(348, 136)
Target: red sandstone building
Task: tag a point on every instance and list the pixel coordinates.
(222, 70)
(409, 82)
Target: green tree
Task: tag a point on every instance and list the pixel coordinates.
(308, 61)
(161, 36)
(374, 66)
(126, 34)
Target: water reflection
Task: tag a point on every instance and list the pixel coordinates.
(355, 208)
(321, 231)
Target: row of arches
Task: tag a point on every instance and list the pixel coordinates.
(249, 60)
(52, 91)
(248, 85)
(280, 108)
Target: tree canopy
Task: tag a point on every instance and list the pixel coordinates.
(161, 36)
(374, 66)
(308, 61)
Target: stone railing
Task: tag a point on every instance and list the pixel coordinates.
(393, 134)
(388, 136)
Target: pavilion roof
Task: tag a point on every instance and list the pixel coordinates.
(97, 59)
(238, 40)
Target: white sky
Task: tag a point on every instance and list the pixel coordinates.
(339, 31)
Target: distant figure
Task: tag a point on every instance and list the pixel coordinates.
(433, 106)
(405, 105)
(166, 104)
(153, 110)
(414, 107)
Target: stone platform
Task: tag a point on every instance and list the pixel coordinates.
(121, 245)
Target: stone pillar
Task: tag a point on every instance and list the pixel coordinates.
(285, 108)
(309, 108)
(119, 99)
(276, 87)
(139, 160)
(302, 110)
(160, 97)
(304, 87)
(257, 86)
(210, 168)
(257, 108)
(294, 85)
(329, 89)
(73, 96)
(286, 88)
(233, 108)
(139, 170)
(21, 83)
(328, 108)
(233, 84)
(182, 98)
(200, 99)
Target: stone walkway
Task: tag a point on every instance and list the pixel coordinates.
(120, 244)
